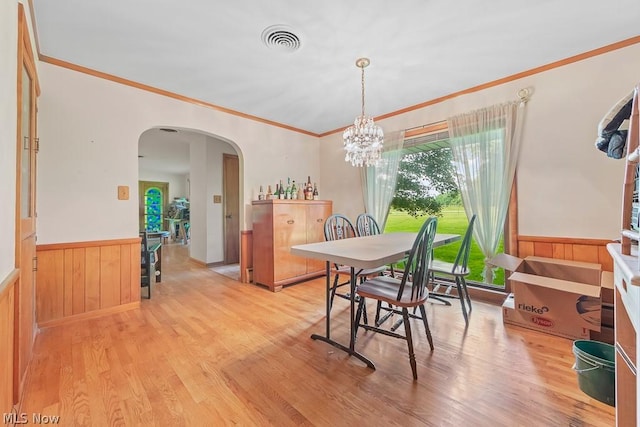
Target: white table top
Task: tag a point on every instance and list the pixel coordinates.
(367, 252)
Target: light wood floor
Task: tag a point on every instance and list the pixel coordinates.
(207, 350)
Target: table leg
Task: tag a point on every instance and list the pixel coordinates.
(327, 338)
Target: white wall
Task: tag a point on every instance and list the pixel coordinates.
(8, 118)
(198, 202)
(566, 187)
(90, 127)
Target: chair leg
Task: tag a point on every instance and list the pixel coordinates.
(378, 307)
(423, 312)
(364, 310)
(407, 330)
(333, 291)
(462, 298)
(466, 293)
(361, 307)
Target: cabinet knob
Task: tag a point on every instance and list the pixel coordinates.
(290, 221)
(319, 220)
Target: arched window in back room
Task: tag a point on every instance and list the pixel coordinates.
(153, 209)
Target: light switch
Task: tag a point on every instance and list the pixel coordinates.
(217, 199)
(123, 192)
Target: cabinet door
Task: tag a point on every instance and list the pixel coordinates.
(316, 216)
(289, 228)
(263, 244)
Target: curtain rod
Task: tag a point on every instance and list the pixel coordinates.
(523, 95)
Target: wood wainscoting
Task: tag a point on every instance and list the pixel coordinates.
(86, 279)
(569, 248)
(7, 327)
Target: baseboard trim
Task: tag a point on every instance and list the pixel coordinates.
(90, 315)
(197, 261)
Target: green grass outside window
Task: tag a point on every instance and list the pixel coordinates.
(452, 221)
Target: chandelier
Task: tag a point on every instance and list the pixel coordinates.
(363, 141)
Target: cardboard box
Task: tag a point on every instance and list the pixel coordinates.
(511, 316)
(557, 295)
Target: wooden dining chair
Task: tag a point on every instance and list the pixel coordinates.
(337, 227)
(367, 225)
(445, 275)
(404, 293)
(147, 266)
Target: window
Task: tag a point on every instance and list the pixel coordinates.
(436, 185)
(153, 209)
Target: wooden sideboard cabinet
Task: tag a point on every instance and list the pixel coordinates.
(278, 225)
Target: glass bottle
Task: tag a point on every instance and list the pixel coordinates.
(276, 195)
(282, 194)
(308, 192)
(294, 190)
(261, 194)
(269, 195)
(287, 193)
(315, 192)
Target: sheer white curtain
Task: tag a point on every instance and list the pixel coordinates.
(379, 182)
(485, 145)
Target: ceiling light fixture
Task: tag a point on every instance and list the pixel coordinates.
(363, 141)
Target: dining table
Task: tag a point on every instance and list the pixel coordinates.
(360, 253)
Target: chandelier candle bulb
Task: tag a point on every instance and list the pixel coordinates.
(363, 141)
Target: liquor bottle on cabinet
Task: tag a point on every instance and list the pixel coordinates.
(287, 192)
(294, 190)
(315, 192)
(276, 194)
(269, 194)
(308, 191)
(282, 190)
(261, 194)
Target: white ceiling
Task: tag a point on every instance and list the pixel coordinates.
(211, 50)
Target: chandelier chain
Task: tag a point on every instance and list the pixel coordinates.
(363, 141)
(362, 84)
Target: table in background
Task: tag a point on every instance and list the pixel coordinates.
(182, 231)
(361, 253)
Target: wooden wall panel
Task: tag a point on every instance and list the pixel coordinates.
(92, 279)
(110, 276)
(125, 274)
(586, 250)
(7, 325)
(77, 278)
(50, 287)
(68, 283)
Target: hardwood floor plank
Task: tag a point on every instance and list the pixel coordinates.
(207, 350)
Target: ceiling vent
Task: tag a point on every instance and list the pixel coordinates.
(281, 37)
